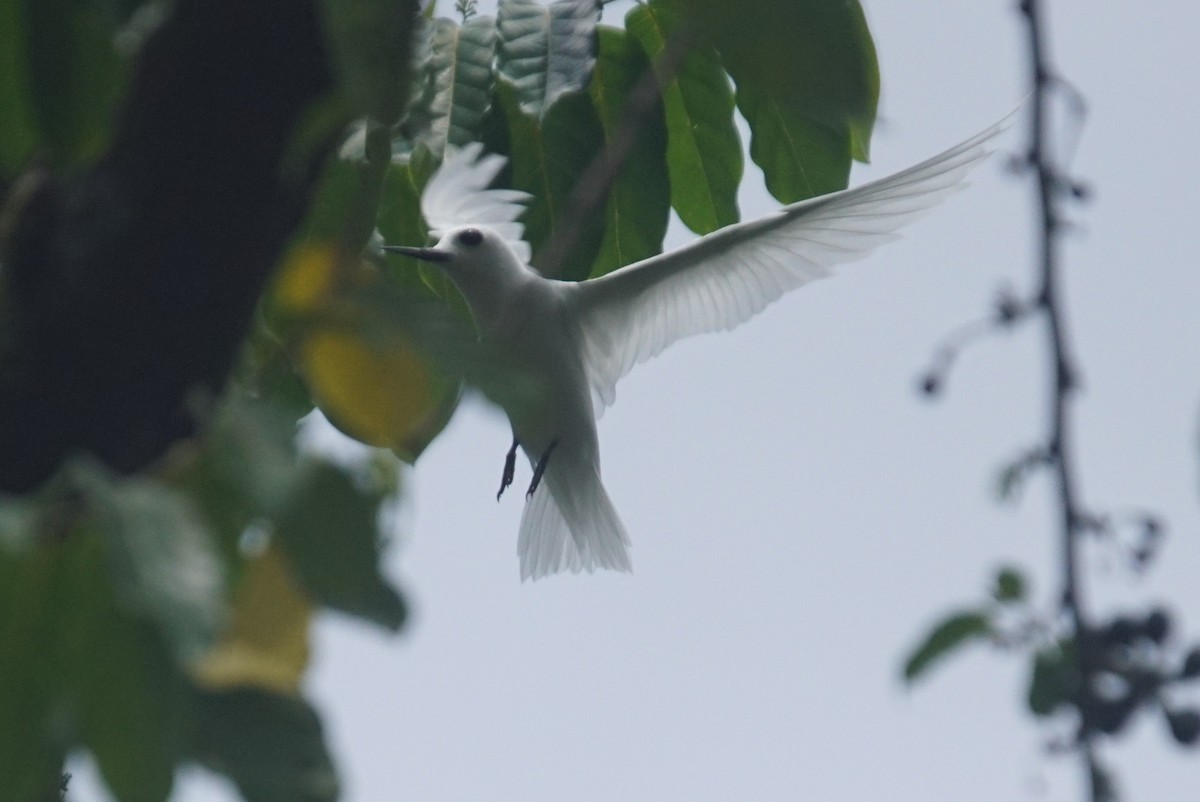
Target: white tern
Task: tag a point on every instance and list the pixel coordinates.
(579, 338)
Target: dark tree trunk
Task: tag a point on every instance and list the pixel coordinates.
(129, 288)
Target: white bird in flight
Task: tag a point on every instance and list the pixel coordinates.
(577, 339)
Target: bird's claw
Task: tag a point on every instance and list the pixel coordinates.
(510, 465)
(540, 469)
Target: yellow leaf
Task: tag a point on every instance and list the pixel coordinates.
(307, 277)
(265, 644)
(381, 394)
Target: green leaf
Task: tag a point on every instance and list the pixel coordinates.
(546, 51)
(370, 41)
(1054, 679)
(347, 199)
(800, 158)
(949, 634)
(815, 58)
(457, 83)
(639, 202)
(401, 223)
(163, 560)
(74, 77)
(18, 131)
(122, 679)
(264, 371)
(1010, 585)
(704, 152)
(31, 750)
(548, 160)
(328, 527)
(271, 746)
(79, 667)
(19, 519)
(246, 465)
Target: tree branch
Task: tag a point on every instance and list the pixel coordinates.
(1072, 520)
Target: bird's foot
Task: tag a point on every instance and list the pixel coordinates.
(540, 469)
(510, 465)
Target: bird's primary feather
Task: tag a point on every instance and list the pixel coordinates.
(725, 278)
(458, 195)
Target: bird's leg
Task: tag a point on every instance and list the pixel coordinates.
(510, 465)
(540, 469)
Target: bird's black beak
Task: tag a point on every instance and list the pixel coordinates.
(424, 254)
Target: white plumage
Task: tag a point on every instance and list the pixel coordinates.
(577, 340)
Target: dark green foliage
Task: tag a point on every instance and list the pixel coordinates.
(59, 83)
(1054, 680)
(111, 587)
(184, 149)
(328, 526)
(639, 202)
(548, 159)
(949, 634)
(271, 746)
(1010, 586)
(369, 40)
(704, 151)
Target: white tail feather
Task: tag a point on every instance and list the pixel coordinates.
(587, 537)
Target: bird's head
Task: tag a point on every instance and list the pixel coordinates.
(479, 261)
(467, 252)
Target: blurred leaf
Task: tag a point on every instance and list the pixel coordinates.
(1191, 664)
(548, 160)
(265, 373)
(816, 59)
(546, 51)
(1012, 476)
(164, 563)
(243, 470)
(1054, 680)
(949, 634)
(74, 76)
(704, 152)
(370, 42)
(639, 203)
(450, 342)
(1010, 586)
(307, 278)
(401, 223)
(18, 523)
(270, 745)
(122, 679)
(381, 393)
(400, 220)
(1184, 726)
(18, 131)
(1103, 787)
(329, 530)
(32, 750)
(384, 395)
(265, 644)
(457, 84)
(800, 158)
(343, 212)
(377, 390)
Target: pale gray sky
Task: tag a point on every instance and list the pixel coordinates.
(798, 515)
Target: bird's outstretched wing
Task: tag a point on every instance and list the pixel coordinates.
(728, 276)
(458, 195)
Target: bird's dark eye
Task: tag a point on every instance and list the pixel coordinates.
(471, 237)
